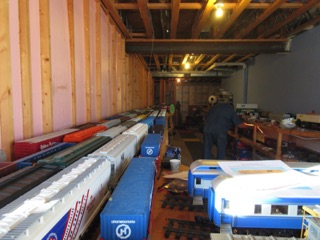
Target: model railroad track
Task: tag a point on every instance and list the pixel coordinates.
(198, 229)
(283, 233)
(72, 154)
(183, 202)
(14, 185)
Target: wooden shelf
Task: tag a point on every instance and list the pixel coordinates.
(275, 132)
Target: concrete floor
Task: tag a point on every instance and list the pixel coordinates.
(177, 141)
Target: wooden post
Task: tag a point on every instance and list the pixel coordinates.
(6, 101)
(46, 78)
(86, 32)
(279, 144)
(26, 83)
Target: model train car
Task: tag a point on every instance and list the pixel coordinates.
(200, 176)
(202, 172)
(60, 207)
(268, 203)
(126, 215)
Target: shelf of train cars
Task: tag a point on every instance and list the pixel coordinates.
(33, 158)
(72, 154)
(84, 134)
(29, 146)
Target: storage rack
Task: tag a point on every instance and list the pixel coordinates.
(276, 132)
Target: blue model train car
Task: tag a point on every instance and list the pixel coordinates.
(262, 201)
(150, 147)
(126, 214)
(202, 172)
(149, 121)
(200, 176)
(161, 118)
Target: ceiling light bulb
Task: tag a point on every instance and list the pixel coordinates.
(178, 79)
(187, 66)
(219, 12)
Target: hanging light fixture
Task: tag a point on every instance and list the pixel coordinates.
(219, 8)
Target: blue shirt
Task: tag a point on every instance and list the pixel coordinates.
(220, 118)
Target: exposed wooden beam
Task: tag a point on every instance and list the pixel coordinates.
(198, 6)
(245, 58)
(170, 62)
(210, 62)
(116, 18)
(303, 27)
(138, 35)
(146, 18)
(202, 19)
(157, 6)
(185, 59)
(242, 5)
(197, 61)
(156, 60)
(140, 57)
(266, 13)
(229, 58)
(175, 5)
(307, 6)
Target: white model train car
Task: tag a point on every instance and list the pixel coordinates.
(61, 207)
(262, 201)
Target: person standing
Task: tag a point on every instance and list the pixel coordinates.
(219, 119)
(178, 114)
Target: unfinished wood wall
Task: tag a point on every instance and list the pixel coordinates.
(63, 63)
